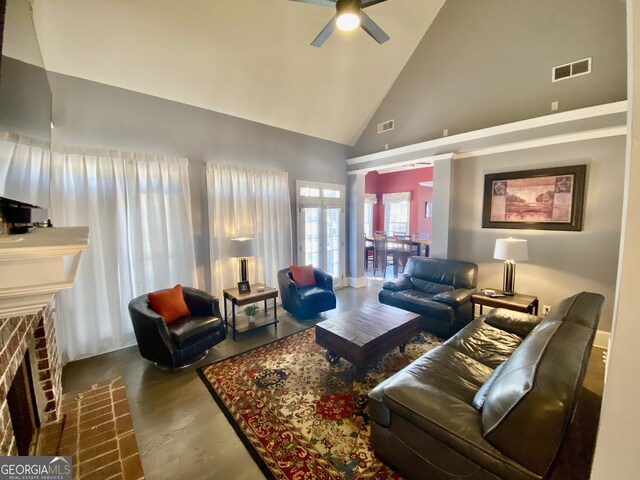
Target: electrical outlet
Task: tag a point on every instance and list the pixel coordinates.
(545, 309)
(554, 106)
(445, 132)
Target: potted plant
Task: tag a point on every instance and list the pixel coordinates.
(251, 312)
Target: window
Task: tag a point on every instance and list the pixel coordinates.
(368, 219)
(370, 199)
(321, 227)
(396, 212)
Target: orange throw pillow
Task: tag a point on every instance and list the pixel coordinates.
(169, 303)
(303, 275)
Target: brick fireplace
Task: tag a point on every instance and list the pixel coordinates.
(17, 334)
(34, 267)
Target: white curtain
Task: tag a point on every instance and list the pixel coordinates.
(24, 169)
(371, 198)
(397, 212)
(396, 197)
(138, 211)
(251, 203)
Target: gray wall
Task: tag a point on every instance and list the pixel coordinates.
(486, 63)
(560, 263)
(90, 114)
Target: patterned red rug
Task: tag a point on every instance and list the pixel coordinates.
(299, 416)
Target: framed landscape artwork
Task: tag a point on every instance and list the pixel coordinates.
(544, 199)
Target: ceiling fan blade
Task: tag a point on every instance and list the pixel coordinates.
(324, 3)
(324, 34)
(373, 29)
(368, 3)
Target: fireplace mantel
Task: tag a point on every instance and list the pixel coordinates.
(37, 265)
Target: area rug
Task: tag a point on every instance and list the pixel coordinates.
(301, 417)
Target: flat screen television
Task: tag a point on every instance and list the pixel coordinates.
(25, 110)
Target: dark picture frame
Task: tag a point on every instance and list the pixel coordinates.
(244, 287)
(541, 199)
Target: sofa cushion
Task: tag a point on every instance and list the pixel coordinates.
(529, 405)
(481, 395)
(187, 330)
(455, 298)
(430, 287)
(448, 371)
(515, 322)
(484, 343)
(397, 284)
(314, 294)
(418, 302)
(442, 271)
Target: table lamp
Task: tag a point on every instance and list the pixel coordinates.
(242, 247)
(510, 250)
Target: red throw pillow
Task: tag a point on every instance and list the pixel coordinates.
(169, 303)
(303, 275)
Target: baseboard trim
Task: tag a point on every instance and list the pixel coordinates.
(357, 282)
(602, 339)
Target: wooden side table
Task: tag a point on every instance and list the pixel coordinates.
(518, 302)
(242, 325)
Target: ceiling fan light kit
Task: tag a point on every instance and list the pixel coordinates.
(349, 16)
(348, 22)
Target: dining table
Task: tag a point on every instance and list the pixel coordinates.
(422, 243)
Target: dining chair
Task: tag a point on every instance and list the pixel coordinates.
(423, 236)
(383, 256)
(406, 250)
(368, 252)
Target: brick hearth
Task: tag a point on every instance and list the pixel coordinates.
(98, 433)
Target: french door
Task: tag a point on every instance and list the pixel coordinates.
(321, 238)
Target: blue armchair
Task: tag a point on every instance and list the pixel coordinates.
(306, 302)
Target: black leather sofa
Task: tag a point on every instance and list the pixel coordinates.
(440, 290)
(306, 302)
(493, 402)
(183, 341)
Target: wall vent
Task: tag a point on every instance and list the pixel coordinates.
(570, 70)
(385, 126)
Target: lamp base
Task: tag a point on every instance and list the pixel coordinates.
(243, 269)
(509, 278)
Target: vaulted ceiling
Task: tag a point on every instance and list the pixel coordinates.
(251, 59)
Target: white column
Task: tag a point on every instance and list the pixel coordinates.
(616, 453)
(442, 199)
(355, 272)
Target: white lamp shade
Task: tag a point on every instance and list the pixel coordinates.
(511, 249)
(242, 247)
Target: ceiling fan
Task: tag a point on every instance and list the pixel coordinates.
(349, 16)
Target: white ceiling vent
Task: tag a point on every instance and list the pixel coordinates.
(385, 126)
(570, 70)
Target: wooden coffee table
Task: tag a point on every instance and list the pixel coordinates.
(366, 334)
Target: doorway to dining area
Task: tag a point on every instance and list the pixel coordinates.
(397, 217)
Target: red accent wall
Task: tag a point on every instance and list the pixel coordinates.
(404, 181)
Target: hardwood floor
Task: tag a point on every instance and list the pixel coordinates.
(181, 431)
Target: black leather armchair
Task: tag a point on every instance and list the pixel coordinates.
(306, 302)
(438, 289)
(183, 341)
